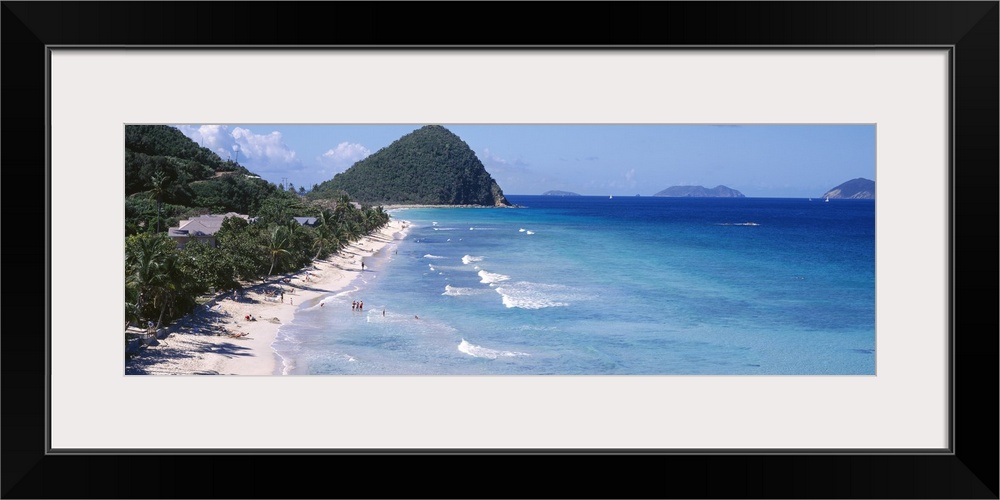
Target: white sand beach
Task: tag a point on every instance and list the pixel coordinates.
(217, 339)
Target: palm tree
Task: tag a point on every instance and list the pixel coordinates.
(159, 184)
(152, 275)
(319, 244)
(131, 302)
(375, 218)
(324, 233)
(144, 256)
(383, 216)
(323, 222)
(354, 230)
(341, 212)
(170, 286)
(337, 238)
(277, 245)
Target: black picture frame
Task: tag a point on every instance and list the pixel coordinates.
(969, 28)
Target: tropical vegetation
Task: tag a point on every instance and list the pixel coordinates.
(169, 178)
(430, 165)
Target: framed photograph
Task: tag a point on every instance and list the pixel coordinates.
(896, 416)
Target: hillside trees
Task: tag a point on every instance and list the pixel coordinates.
(168, 179)
(428, 166)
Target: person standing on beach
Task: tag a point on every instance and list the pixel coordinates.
(361, 305)
(282, 296)
(362, 265)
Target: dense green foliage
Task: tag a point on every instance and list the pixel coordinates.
(161, 140)
(169, 178)
(429, 166)
(160, 281)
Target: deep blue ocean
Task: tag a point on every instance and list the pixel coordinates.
(606, 286)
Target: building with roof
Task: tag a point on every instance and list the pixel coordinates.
(306, 221)
(201, 228)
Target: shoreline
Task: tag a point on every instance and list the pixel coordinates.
(216, 338)
(400, 207)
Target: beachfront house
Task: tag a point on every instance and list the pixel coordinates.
(201, 228)
(306, 221)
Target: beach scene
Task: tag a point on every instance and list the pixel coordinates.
(500, 250)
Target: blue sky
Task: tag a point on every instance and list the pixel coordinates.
(781, 161)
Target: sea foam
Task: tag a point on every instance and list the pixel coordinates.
(454, 291)
(483, 352)
(469, 258)
(527, 295)
(488, 277)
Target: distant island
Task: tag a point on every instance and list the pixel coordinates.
(559, 193)
(854, 189)
(700, 192)
(429, 166)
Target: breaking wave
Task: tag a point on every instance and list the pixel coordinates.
(483, 352)
(527, 295)
(488, 277)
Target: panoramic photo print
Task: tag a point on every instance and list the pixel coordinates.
(468, 249)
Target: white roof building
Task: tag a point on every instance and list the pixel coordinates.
(201, 228)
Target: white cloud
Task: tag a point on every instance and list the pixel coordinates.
(630, 176)
(493, 162)
(214, 137)
(256, 152)
(344, 155)
(259, 148)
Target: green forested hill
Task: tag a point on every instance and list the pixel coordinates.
(169, 177)
(163, 140)
(161, 150)
(431, 166)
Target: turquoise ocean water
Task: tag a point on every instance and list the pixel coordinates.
(606, 286)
